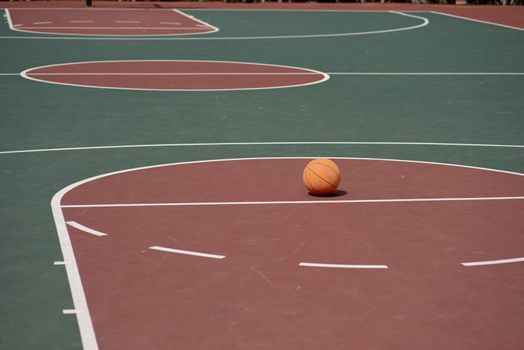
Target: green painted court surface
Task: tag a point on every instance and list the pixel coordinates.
(428, 108)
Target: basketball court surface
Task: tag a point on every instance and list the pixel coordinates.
(151, 159)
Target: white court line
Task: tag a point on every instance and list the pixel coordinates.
(194, 19)
(425, 73)
(268, 73)
(27, 74)
(341, 201)
(45, 22)
(493, 262)
(116, 27)
(342, 266)
(127, 21)
(290, 73)
(59, 263)
(477, 20)
(209, 9)
(276, 143)
(89, 341)
(113, 36)
(85, 228)
(187, 252)
(85, 324)
(172, 74)
(9, 20)
(424, 23)
(69, 311)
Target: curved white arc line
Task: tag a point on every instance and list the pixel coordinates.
(85, 324)
(277, 143)
(424, 23)
(341, 201)
(85, 229)
(493, 262)
(68, 188)
(325, 77)
(342, 266)
(187, 252)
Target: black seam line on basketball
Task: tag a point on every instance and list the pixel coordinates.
(309, 183)
(336, 171)
(329, 183)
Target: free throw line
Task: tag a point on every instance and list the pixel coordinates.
(342, 201)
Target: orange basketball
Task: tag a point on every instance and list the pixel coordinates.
(321, 176)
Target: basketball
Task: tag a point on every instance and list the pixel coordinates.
(321, 177)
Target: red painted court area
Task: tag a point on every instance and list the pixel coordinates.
(254, 288)
(175, 75)
(113, 22)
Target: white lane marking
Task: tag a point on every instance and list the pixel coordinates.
(342, 266)
(477, 20)
(187, 252)
(69, 311)
(58, 263)
(127, 21)
(276, 143)
(44, 22)
(341, 201)
(85, 228)
(493, 262)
